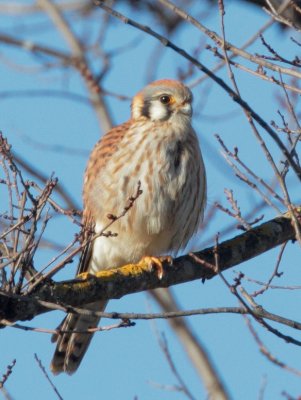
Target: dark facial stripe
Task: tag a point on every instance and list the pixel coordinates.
(145, 109)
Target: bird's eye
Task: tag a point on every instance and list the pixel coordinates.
(165, 99)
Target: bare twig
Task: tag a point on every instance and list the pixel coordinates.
(43, 369)
(263, 349)
(8, 372)
(181, 387)
(274, 274)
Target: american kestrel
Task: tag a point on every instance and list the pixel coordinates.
(158, 148)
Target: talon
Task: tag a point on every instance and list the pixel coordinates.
(84, 275)
(156, 263)
(167, 259)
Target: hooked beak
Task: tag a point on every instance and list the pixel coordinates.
(185, 108)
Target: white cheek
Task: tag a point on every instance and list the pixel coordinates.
(158, 111)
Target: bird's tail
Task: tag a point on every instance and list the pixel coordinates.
(71, 344)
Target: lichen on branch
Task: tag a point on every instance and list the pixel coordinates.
(132, 278)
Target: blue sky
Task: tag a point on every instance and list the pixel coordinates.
(125, 363)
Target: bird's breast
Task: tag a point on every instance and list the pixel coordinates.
(166, 165)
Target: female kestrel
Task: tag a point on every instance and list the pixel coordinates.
(158, 148)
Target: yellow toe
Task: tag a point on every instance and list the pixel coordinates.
(84, 275)
(151, 263)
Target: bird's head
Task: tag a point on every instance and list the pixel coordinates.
(162, 100)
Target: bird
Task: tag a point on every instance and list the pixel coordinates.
(158, 149)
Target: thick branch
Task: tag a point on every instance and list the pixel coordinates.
(132, 278)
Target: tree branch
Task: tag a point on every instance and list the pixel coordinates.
(132, 278)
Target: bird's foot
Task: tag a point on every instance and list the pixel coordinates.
(155, 263)
(84, 275)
